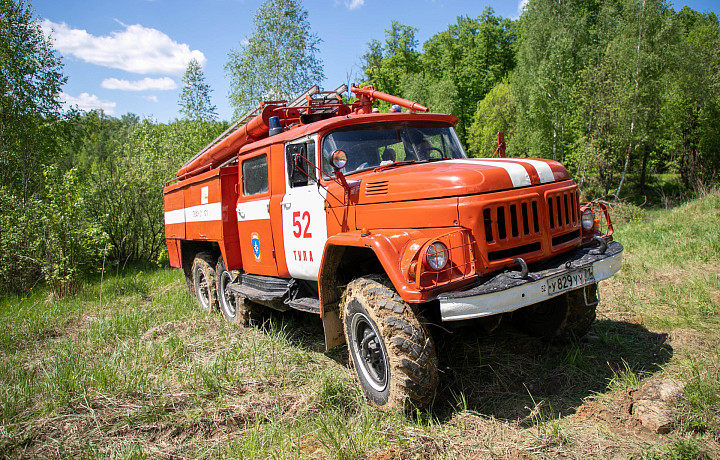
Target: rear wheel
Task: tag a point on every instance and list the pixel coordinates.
(392, 351)
(227, 300)
(562, 319)
(204, 280)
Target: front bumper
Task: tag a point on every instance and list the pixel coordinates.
(508, 291)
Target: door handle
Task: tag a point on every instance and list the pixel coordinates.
(287, 205)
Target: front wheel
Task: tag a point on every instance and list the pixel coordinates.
(392, 351)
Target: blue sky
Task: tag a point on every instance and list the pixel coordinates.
(129, 55)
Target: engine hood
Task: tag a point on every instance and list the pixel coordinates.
(454, 178)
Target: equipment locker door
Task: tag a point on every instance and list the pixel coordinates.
(253, 214)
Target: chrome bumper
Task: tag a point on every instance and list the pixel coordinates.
(508, 291)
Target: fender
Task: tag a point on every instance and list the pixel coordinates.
(388, 245)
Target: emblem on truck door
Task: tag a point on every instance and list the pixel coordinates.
(255, 245)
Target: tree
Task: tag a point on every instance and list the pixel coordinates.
(385, 64)
(691, 108)
(30, 80)
(278, 61)
(474, 55)
(554, 45)
(496, 112)
(195, 104)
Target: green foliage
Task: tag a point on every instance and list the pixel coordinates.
(70, 243)
(278, 60)
(126, 195)
(195, 101)
(455, 70)
(553, 47)
(30, 79)
(690, 112)
(439, 96)
(475, 54)
(19, 260)
(497, 111)
(611, 90)
(385, 64)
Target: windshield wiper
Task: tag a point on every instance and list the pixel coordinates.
(392, 165)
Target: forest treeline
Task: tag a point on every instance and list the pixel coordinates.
(621, 91)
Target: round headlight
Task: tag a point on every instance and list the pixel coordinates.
(588, 219)
(436, 256)
(339, 159)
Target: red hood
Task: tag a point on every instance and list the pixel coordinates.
(454, 178)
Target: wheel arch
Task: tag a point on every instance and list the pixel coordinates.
(345, 258)
(188, 251)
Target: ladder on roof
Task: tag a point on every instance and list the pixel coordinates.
(307, 97)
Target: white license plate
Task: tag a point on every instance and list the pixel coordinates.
(569, 280)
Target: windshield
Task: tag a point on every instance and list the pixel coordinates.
(373, 145)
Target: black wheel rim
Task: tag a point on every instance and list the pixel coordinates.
(369, 352)
(203, 290)
(227, 297)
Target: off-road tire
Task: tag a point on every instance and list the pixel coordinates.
(563, 319)
(227, 300)
(204, 283)
(400, 369)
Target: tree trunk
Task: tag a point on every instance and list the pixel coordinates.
(635, 104)
(643, 174)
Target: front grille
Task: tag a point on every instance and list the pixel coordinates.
(563, 209)
(531, 226)
(558, 240)
(514, 252)
(511, 220)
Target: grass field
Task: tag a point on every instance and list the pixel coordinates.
(131, 368)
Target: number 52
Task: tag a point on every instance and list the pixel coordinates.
(297, 224)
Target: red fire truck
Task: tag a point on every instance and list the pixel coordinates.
(380, 224)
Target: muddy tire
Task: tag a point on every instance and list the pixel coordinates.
(227, 300)
(204, 283)
(565, 318)
(390, 348)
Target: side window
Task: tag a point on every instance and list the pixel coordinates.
(255, 175)
(301, 163)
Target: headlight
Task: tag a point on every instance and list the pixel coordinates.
(588, 219)
(436, 256)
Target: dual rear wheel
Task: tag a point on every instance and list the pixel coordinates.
(211, 280)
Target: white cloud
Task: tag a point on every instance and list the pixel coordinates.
(87, 102)
(154, 84)
(354, 4)
(151, 98)
(136, 49)
(521, 6)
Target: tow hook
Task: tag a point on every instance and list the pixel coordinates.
(523, 268)
(603, 245)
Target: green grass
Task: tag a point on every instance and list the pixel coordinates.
(131, 368)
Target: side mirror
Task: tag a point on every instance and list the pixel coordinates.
(338, 159)
(298, 167)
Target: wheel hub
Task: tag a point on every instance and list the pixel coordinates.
(369, 349)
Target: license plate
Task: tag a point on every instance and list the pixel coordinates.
(569, 280)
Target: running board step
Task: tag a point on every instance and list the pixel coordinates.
(260, 287)
(307, 304)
